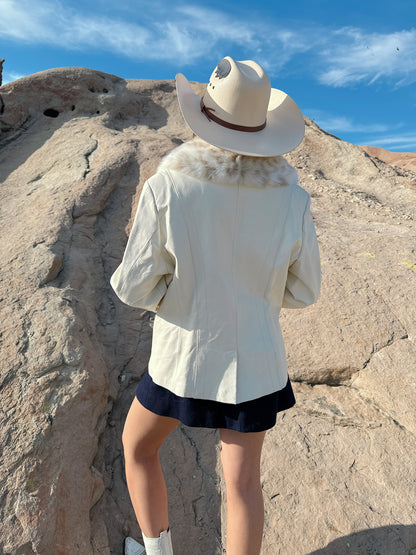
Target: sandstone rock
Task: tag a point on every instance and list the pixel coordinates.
(406, 160)
(337, 469)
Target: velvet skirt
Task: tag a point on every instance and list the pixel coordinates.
(255, 415)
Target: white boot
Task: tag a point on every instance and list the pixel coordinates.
(131, 547)
(159, 546)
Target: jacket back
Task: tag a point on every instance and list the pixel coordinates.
(220, 243)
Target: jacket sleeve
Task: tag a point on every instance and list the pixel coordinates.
(140, 280)
(303, 282)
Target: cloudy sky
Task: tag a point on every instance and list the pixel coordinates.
(349, 65)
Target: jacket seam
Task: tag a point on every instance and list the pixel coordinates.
(303, 228)
(149, 239)
(163, 247)
(179, 196)
(237, 211)
(266, 317)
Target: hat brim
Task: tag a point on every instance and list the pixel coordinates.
(284, 131)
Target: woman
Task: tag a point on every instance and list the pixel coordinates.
(223, 238)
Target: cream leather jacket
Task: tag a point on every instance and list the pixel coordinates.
(220, 243)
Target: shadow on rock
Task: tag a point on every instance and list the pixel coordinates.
(386, 540)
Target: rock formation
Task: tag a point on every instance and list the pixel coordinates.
(337, 469)
(406, 160)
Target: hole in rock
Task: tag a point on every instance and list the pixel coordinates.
(51, 113)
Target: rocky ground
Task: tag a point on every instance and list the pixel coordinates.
(338, 469)
(405, 160)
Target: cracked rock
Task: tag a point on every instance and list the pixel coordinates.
(337, 469)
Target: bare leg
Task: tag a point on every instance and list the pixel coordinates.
(143, 434)
(240, 457)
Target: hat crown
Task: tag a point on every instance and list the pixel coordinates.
(239, 92)
(240, 111)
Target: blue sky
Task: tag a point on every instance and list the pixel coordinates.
(349, 65)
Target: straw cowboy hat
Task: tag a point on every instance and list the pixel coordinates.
(241, 112)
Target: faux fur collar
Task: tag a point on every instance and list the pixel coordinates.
(204, 161)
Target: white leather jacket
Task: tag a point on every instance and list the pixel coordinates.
(219, 244)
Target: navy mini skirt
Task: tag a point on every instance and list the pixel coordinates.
(256, 415)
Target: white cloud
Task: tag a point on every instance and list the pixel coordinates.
(352, 56)
(341, 124)
(405, 142)
(186, 33)
(217, 25)
(41, 22)
(389, 137)
(17, 23)
(9, 76)
(183, 33)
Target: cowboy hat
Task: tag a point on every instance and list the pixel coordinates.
(241, 112)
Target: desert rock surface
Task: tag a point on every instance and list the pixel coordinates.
(338, 469)
(406, 160)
